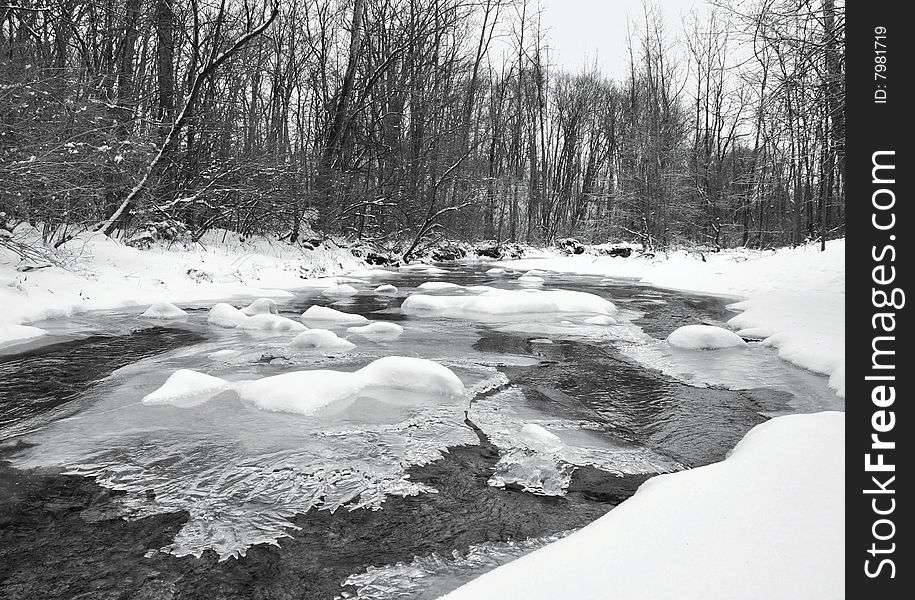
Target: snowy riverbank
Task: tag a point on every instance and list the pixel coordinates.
(768, 522)
(99, 273)
(793, 298)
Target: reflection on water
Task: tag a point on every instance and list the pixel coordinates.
(617, 404)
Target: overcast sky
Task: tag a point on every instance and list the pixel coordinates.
(583, 31)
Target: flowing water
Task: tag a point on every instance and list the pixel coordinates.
(102, 496)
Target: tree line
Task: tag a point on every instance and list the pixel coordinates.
(401, 121)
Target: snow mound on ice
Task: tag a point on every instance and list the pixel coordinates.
(531, 280)
(381, 330)
(14, 334)
(508, 302)
(704, 337)
(321, 339)
(164, 310)
(302, 392)
(439, 285)
(323, 313)
(600, 320)
(341, 290)
(386, 288)
(261, 306)
(225, 315)
(270, 322)
(412, 374)
(322, 390)
(186, 388)
(495, 271)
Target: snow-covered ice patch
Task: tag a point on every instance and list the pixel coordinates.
(601, 320)
(380, 331)
(704, 337)
(261, 306)
(321, 339)
(340, 290)
(507, 302)
(439, 285)
(225, 315)
(271, 322)
(164, 310)
(386, 289)
(186, 388)
(324, 313)
(495, 271)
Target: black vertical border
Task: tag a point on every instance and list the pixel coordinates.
(873, 127)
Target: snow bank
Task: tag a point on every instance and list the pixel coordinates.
(186, 388)
(310, 392)
(17, 334)
(793, 298)
(103, 274)
(164, 310)
(340, 290)
(321, 339)
(261, 306)
(323, 313)
(508, 302)
(386, 289)
(704, 337)
(381, 331)
(768, 522)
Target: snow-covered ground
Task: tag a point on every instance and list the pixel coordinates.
(765, 523)
(99, 273)
(793, 298)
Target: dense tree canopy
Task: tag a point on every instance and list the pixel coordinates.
(397, 121)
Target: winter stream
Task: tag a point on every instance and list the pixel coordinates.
(397, 487)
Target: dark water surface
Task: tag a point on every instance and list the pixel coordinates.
(61, 538)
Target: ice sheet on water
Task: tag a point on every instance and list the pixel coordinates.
(341, 290)
(242, 473)
(501, 303)
(539, 453)
(429, 577)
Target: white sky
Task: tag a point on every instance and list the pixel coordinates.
(581, 32)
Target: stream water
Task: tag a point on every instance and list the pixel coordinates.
(102, 496)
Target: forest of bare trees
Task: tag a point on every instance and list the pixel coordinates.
(400, 121)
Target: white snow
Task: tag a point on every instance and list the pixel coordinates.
(495, 271)
(261, 306)
(99, 273)
(340, 290)
(324, 313)
(768, 522)
(508, 302)
(226, 315)
(164, 310)
(386, 289)
(412, 374)
(321, 339)
(600, 320)
(16, 334)
(536, 437)
(438, 285)
(793, 298)
(310, 392)
(186, 388)
(380, 330)
(271, 322)
(531, 280)
(704, 337)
